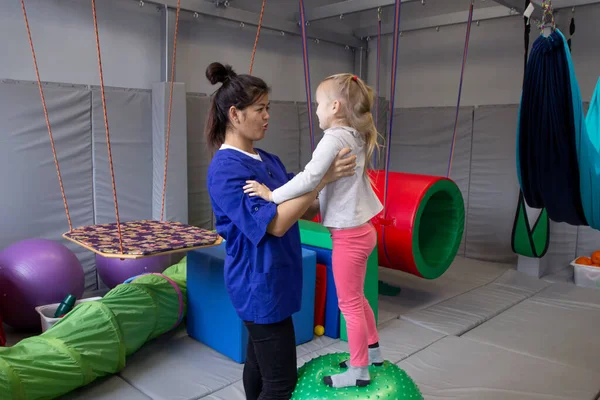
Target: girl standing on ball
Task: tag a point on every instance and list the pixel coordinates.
(347, 206)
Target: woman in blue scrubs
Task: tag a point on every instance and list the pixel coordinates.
(263, 267)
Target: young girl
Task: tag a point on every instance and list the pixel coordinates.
(347, 206)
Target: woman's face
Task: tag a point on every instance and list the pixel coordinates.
(253, 121)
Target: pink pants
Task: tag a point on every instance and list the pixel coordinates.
(351, 249)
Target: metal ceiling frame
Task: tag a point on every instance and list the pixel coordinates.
(347, 7)
(506, 8)
(223, 11)
(518, 5)
(479, 14)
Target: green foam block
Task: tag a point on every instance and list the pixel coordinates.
(388, 382)
(313, 234)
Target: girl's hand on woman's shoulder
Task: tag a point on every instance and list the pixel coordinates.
(253, 188)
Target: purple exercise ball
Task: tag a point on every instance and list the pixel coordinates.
(36, 272)
(114, 271)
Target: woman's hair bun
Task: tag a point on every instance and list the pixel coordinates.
(219, 73)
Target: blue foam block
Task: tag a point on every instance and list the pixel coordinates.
(332, 311)
(211, 318)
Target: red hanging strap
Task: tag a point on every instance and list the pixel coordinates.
(37, 73)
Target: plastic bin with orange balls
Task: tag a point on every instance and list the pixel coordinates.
(587, 270)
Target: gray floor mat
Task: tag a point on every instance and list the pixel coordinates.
(542, 346)
(398, 340)
(318, 342)
(180, 368)
(462, 313)
(321, 352)
(112, 388)
(417, 293)
(232, 392)
(478, 272)
(560, 324)
(525, 283)
(385, 316)
(460, 369)
(565, 294)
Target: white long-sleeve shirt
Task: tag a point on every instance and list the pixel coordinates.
(347, 202)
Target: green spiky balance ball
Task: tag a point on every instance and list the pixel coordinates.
(388, 382)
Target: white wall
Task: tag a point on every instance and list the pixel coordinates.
(429, 62)
(428, 70)
(278, 58)
(63, 36)
(65, 46)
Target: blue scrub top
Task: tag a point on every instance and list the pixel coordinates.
(263, 273)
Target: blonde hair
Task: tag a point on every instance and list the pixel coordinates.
(357, 100)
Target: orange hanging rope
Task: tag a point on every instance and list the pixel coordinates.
(262, 12)
(110, 161)
(37, 73)
(162, 206)
(100, 238)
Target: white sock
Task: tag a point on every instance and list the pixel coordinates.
(375, 358)
(354, 376)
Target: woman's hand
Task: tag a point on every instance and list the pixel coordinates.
(254, 188)
(341, 167)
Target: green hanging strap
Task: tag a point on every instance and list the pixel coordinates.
(526, 241)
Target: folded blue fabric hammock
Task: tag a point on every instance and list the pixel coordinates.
(548, 132)
(589, 161)
(587, 134)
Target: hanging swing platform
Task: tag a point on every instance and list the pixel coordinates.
(131, 239)
(144, 238)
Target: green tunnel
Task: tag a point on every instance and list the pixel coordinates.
(94, 339)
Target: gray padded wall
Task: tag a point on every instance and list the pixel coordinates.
(562, 250)
(130, 123)
(305, 150)
(199, 207)
(494, 188)
(588, 241)
(421, 143)
(31, 204)
(283, 136)
(483, 167)
(176, 197)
